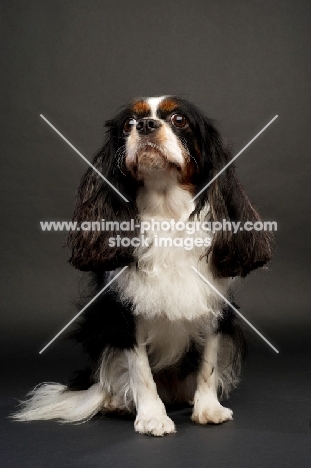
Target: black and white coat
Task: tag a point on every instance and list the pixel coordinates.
(159, 334)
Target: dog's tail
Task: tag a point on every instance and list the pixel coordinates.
(56, 401)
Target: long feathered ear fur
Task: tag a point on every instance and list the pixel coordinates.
(97, 201)
(230, 254)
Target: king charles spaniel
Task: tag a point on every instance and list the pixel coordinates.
(159, 334)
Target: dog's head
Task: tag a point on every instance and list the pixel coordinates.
(150, 140)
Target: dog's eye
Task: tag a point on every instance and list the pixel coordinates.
(128, 125)
(179, 120)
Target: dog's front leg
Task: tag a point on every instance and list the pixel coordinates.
(151, 417)
(207, 408)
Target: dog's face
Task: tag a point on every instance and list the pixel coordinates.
(158, 134)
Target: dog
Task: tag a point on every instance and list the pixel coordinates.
(159, 334)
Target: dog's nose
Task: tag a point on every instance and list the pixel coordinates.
(146, 126)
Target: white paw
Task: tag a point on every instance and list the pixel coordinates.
(214, 414)
(154, 425)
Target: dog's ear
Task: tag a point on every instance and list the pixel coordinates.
(231, 254)
(235, 254)
(96, 201)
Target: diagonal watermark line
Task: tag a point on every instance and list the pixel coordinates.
(82, 310)
(235, 157)
(235, 310)
(84, 158)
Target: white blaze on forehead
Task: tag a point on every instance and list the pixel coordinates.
(154, 104)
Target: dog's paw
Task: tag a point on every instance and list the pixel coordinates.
(154, 425)
(215, 414)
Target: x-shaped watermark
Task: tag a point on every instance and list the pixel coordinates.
(125, 199)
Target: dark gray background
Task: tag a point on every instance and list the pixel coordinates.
(76, 62)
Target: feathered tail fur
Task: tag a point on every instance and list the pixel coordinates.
(55, 401)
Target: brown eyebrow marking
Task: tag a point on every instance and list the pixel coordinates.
(141, 108)
(168, 105)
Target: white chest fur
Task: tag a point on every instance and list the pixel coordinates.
(162, 282)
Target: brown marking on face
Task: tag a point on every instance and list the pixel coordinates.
(187, 175)
(168, 106)
(141, 108)
(189, 171)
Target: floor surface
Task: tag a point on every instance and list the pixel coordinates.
(271, 426)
